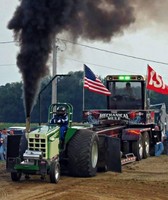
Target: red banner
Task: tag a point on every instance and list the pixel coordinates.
(155, 82)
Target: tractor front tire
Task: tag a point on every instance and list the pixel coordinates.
(54, 171)
(83, 154)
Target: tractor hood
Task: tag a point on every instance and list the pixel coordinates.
(44, 130)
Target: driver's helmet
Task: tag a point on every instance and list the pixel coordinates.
(61, 111)
(128, 84)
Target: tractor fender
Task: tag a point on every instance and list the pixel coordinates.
(72, 131)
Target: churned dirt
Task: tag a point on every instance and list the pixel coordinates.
(143, 180)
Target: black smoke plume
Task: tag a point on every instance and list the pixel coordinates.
(36, 22)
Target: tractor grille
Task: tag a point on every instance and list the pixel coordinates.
(37, 144)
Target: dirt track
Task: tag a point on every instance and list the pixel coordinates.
(144, 180)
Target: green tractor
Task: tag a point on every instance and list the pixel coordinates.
(39, 152)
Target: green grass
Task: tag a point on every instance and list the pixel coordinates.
(6, 125)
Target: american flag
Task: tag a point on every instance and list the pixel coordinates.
(92, 83)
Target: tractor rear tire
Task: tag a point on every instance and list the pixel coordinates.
(146, 149)
(83, 154)
(137, 148)
(54, 172)
(16, 176)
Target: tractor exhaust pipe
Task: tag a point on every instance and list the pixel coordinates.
(27, 126)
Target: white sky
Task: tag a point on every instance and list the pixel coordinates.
(148, 42)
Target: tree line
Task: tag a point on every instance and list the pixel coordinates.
(69, 89)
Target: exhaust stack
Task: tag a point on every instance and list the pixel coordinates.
(27, 126)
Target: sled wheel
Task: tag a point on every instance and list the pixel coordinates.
(54, 172)
(146, 148)
(16, 176)
(137, 148)
(83, 154)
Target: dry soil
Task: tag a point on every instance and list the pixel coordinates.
(143, 180)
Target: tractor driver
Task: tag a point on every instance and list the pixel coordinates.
(61, 118)
(128, 90)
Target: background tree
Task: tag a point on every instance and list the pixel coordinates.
(69, 89)
(11, 103)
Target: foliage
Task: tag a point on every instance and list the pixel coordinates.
(11, 103)
(157, 98)
(69, 89)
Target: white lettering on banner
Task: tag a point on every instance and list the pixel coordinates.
(160, 83)
(113, 116)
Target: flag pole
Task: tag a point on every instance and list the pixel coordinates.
(83, 104)
(147, 102)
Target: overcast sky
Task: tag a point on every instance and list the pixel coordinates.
(146, 39)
